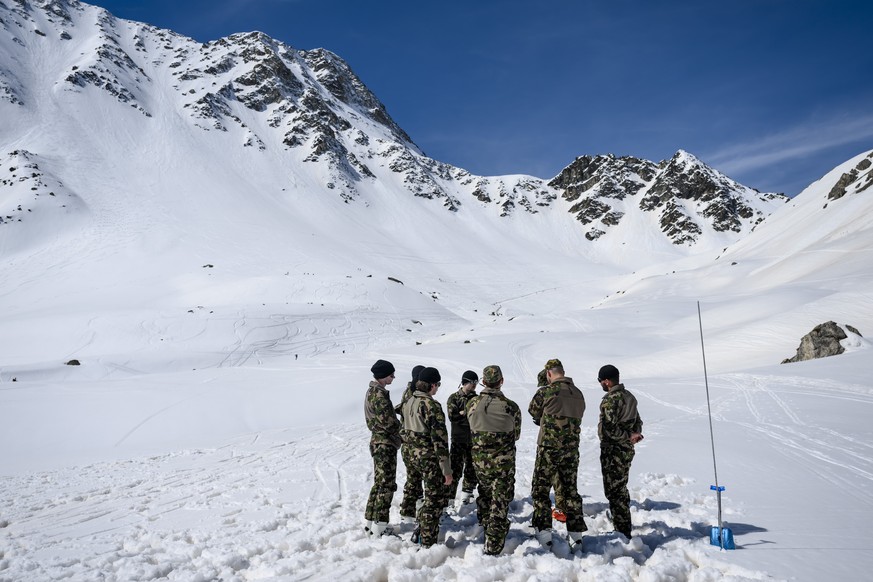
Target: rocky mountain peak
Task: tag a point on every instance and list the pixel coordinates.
(337, 77)
(687, 196)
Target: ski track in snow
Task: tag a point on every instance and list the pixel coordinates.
(288, 505)
(813, 445)
(819, 448)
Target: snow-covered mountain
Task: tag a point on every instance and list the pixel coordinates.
(134, 101)
(225, 236)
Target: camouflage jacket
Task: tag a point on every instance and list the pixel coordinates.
(535, 408)
(381, 420)
(407, 394)
(619, 417)
(424, 430)
(495, 422)
(558, 409)
(456, 409)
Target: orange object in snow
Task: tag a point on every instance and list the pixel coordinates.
(559, 515)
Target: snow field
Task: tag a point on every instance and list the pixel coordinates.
(287, 505)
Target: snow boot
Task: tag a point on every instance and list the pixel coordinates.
(575, 540)
(544, 537)
(381, 528)
(465, 498)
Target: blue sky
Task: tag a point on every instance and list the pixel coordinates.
(774, 93)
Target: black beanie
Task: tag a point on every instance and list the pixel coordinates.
(429, 375)
(608, 372)
(469, 376)
(415, 372)
(382, 369)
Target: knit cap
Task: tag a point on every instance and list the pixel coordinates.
(429, 375)
(608, 372)
(382, 369)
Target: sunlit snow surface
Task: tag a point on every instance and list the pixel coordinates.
(225, 310)
(219, 434)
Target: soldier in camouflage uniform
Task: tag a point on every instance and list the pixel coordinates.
(619, 429)
(384, 442)
(461, 451)
(495, 422)
(536, 402)
(412, 490)
(558, 410)
(424, 432)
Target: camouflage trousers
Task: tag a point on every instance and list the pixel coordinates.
(462, 463)
(412, 490)
(434, 495)
(558, 467)
(615, 462)
(384, 482)
(496, 491)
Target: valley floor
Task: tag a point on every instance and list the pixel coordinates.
(288, 504)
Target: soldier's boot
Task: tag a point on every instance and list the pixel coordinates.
(575, 539)
(544, 537)
(463, 499)
(416, 535)
(381, 528)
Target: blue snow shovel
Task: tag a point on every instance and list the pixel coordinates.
(719, 535)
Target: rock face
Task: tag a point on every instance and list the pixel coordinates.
(823, 341)
(854, 181)
(686, 197)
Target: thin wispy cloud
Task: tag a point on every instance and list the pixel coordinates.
(794, 143)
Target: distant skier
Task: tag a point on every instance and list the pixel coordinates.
(495, 423)
(384, 442)
(558, 411)
(619, 429)
(460, 451)
(413, 494)
(424, 432)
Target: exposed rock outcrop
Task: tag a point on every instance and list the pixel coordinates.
(823, 341)
(856, 180)
(687, 196)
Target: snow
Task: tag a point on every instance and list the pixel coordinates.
(226, 308)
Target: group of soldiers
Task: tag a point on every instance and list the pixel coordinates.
(485, 427)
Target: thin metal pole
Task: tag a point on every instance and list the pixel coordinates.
(709, 410)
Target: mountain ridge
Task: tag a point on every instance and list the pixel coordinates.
(313, 112)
